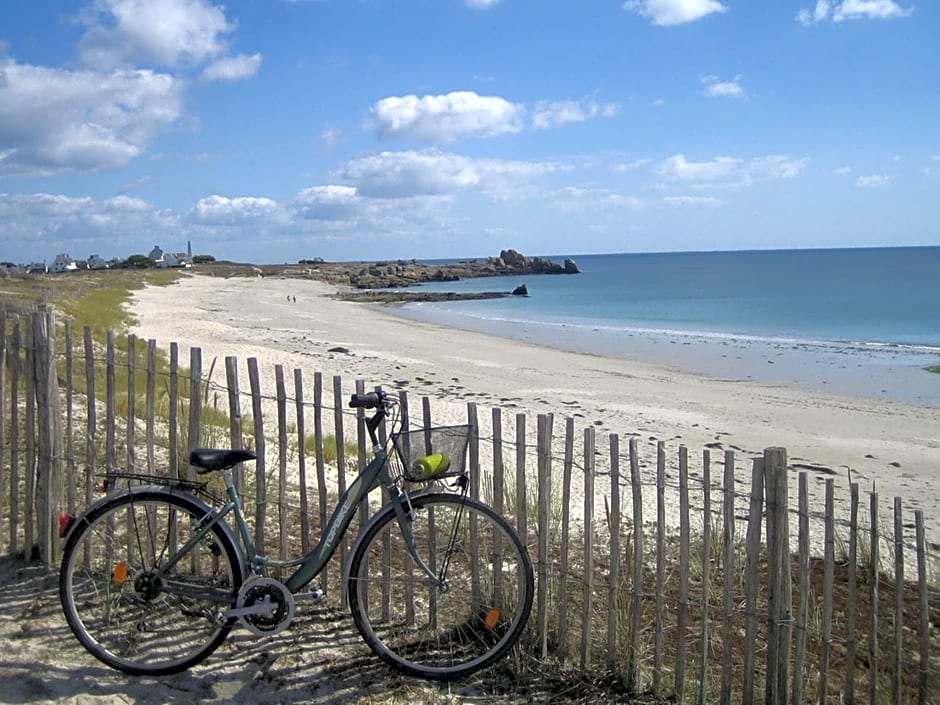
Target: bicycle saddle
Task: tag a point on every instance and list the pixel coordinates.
(209, 459)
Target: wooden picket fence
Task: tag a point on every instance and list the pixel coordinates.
(693, 578)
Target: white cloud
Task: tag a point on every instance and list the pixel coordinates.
(666, 13)
(445, 118)
(81, 226)
(329, 136)
(434, 173)
(691, 202)
(327, 202)
(480, 4)
(631, 166)
(731, 169)
(843, 170)
(166, 33)
(776, 166)
(591, 201)
(852, 10)
(554, 114)
(55, 120)
(232, 68)
(221, 210)
(874, 181)
(714, 87)
(677, 168)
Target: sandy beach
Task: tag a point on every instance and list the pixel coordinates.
(322, 659)
(297, 324)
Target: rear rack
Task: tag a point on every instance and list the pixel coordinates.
(111, 480)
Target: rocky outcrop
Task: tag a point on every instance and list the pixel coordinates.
(400, 273)
(521, 290)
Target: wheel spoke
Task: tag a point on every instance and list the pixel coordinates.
(442, 631)
(121, 605)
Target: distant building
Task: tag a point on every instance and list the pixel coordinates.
(62, 263)
(95, 262)
(165, 260)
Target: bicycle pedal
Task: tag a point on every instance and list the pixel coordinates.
(316, 596)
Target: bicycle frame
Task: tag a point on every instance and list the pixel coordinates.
(375, 474)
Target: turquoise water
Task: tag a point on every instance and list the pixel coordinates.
(856, 321)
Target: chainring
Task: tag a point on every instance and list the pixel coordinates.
(275, 597)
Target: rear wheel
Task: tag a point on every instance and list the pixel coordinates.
(450, 631)
(123, 602)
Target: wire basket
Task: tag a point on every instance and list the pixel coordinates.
(432, 453)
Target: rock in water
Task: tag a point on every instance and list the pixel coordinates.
(520, 290)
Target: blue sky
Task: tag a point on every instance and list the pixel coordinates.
(276, 130)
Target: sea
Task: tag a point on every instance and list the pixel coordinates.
(859, 322)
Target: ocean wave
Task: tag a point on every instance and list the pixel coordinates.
(447, 316)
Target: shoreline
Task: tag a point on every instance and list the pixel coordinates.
(876, 371)
(891, 444)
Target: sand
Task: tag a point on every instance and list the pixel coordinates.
(321, 658)
(893, 446)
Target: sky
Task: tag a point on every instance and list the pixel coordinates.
(277, 130)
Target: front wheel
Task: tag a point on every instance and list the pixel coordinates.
(441, 631)
(127, 601)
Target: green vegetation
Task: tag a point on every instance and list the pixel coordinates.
(934, 368)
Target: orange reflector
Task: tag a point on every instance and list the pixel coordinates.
(492, 618)
(119, 574)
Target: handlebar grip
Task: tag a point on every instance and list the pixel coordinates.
(370, 400)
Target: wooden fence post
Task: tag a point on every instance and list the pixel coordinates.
(3, 401)
(802, 611)
(924, 626)
(235, 418)
(898, 600)
(633, 648)
(706, 572)
(130, 445)
(613, 585)
(587, 606)
(261, 491)
(828, 575)
(151, 402)
(660, 563)
(754, 521)
(544, 518)
(565, 538)
(683, 606)
(850, 645)
(91, 415)
(50, 465)
(302, 460)
(779, 607)
(173, 421)
(281, 391)
(15, 367)
(873, 601)
(728, 570)
(195, 406)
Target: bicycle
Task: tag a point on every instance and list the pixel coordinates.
(153, 577)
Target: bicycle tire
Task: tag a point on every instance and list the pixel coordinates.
(420, 629)
(116, 604)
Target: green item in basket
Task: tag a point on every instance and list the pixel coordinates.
(430, 466)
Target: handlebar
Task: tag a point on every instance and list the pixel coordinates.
(370, 400)
(378, 400)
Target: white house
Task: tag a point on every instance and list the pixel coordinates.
(62, 263)
(95, 262)
(168, 260)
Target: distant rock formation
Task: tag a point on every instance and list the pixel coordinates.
(400, 273)
(521, 290)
